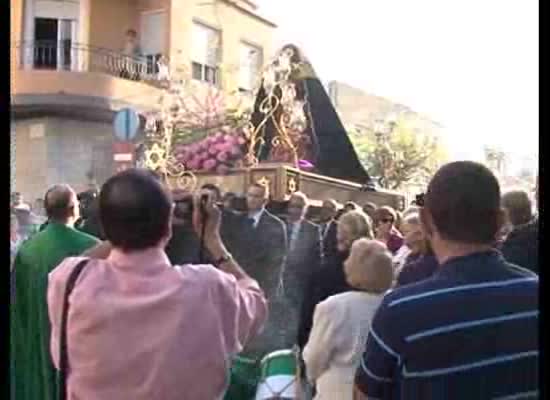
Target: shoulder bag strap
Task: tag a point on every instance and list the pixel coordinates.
(63, 357)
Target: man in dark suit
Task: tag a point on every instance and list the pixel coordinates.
(265, 241)
(327, 217)
(304, 249)
(303, 260)
(521, 247)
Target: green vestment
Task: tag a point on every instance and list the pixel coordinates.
(32, 374)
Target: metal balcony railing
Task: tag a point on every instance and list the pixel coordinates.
(70, 56)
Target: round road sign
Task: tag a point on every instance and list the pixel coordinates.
(126, 124)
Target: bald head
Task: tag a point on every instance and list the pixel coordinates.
(61, 204)
(369, 266)
(135, 211)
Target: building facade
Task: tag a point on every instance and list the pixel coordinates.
(363, 111)
(367, 113)
(71, 71)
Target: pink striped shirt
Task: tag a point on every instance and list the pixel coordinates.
(140, 329)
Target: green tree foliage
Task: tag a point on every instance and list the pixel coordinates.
(402, 155)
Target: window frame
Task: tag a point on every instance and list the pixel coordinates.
(259, 48)
(209, 74)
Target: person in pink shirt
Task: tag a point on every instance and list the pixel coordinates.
(139, 328)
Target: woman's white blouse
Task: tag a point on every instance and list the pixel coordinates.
(341, 324)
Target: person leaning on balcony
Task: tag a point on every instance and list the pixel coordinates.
(131, 56)
(139, 327)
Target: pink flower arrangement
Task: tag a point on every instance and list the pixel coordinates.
(218, 152)
(222, 157)
(209, 164)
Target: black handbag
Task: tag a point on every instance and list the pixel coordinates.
(63, 357)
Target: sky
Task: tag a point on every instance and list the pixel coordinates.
(471, 65)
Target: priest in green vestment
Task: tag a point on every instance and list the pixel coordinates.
(32, 374)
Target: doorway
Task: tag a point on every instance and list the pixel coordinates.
(53, 43)
(45, 43)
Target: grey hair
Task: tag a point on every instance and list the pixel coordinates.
(359, 222)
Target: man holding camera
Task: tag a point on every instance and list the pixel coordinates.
(140, 328)
(185, 245)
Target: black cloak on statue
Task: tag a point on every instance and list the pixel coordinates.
(330, 149)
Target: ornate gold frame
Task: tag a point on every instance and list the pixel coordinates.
(280, 95)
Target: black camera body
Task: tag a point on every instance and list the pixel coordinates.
(419, 199)
(184, 207)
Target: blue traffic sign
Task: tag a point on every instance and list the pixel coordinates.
(126, 124)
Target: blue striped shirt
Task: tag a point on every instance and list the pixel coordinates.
(469, 332)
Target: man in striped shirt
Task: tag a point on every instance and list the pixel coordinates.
(470, 331)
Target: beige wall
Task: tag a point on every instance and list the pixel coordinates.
(31, 163)
(119, 92)
(235, 26)
(53, 150)
(109, 21)
(356, 107)
(359, 108)
(16, 25)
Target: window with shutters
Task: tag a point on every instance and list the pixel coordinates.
(152, 38)
(251, 58)
(206, 53)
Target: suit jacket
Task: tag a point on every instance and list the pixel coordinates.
(266, 247)
(183, 247)
(303, 260)
(329, 239)
(330, 280)
(263, 261)
(521, 247)
(417, 269)
(233, 225)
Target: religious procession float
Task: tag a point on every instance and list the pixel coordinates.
(286, 135)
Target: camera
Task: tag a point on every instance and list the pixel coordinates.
(419, 199)
(184, 207)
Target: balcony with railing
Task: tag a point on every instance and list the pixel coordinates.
(76, 69)
(69, 56)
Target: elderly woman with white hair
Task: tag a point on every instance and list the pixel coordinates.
(342, 322)
(413, 241)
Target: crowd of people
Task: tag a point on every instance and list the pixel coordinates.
(177, 287)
